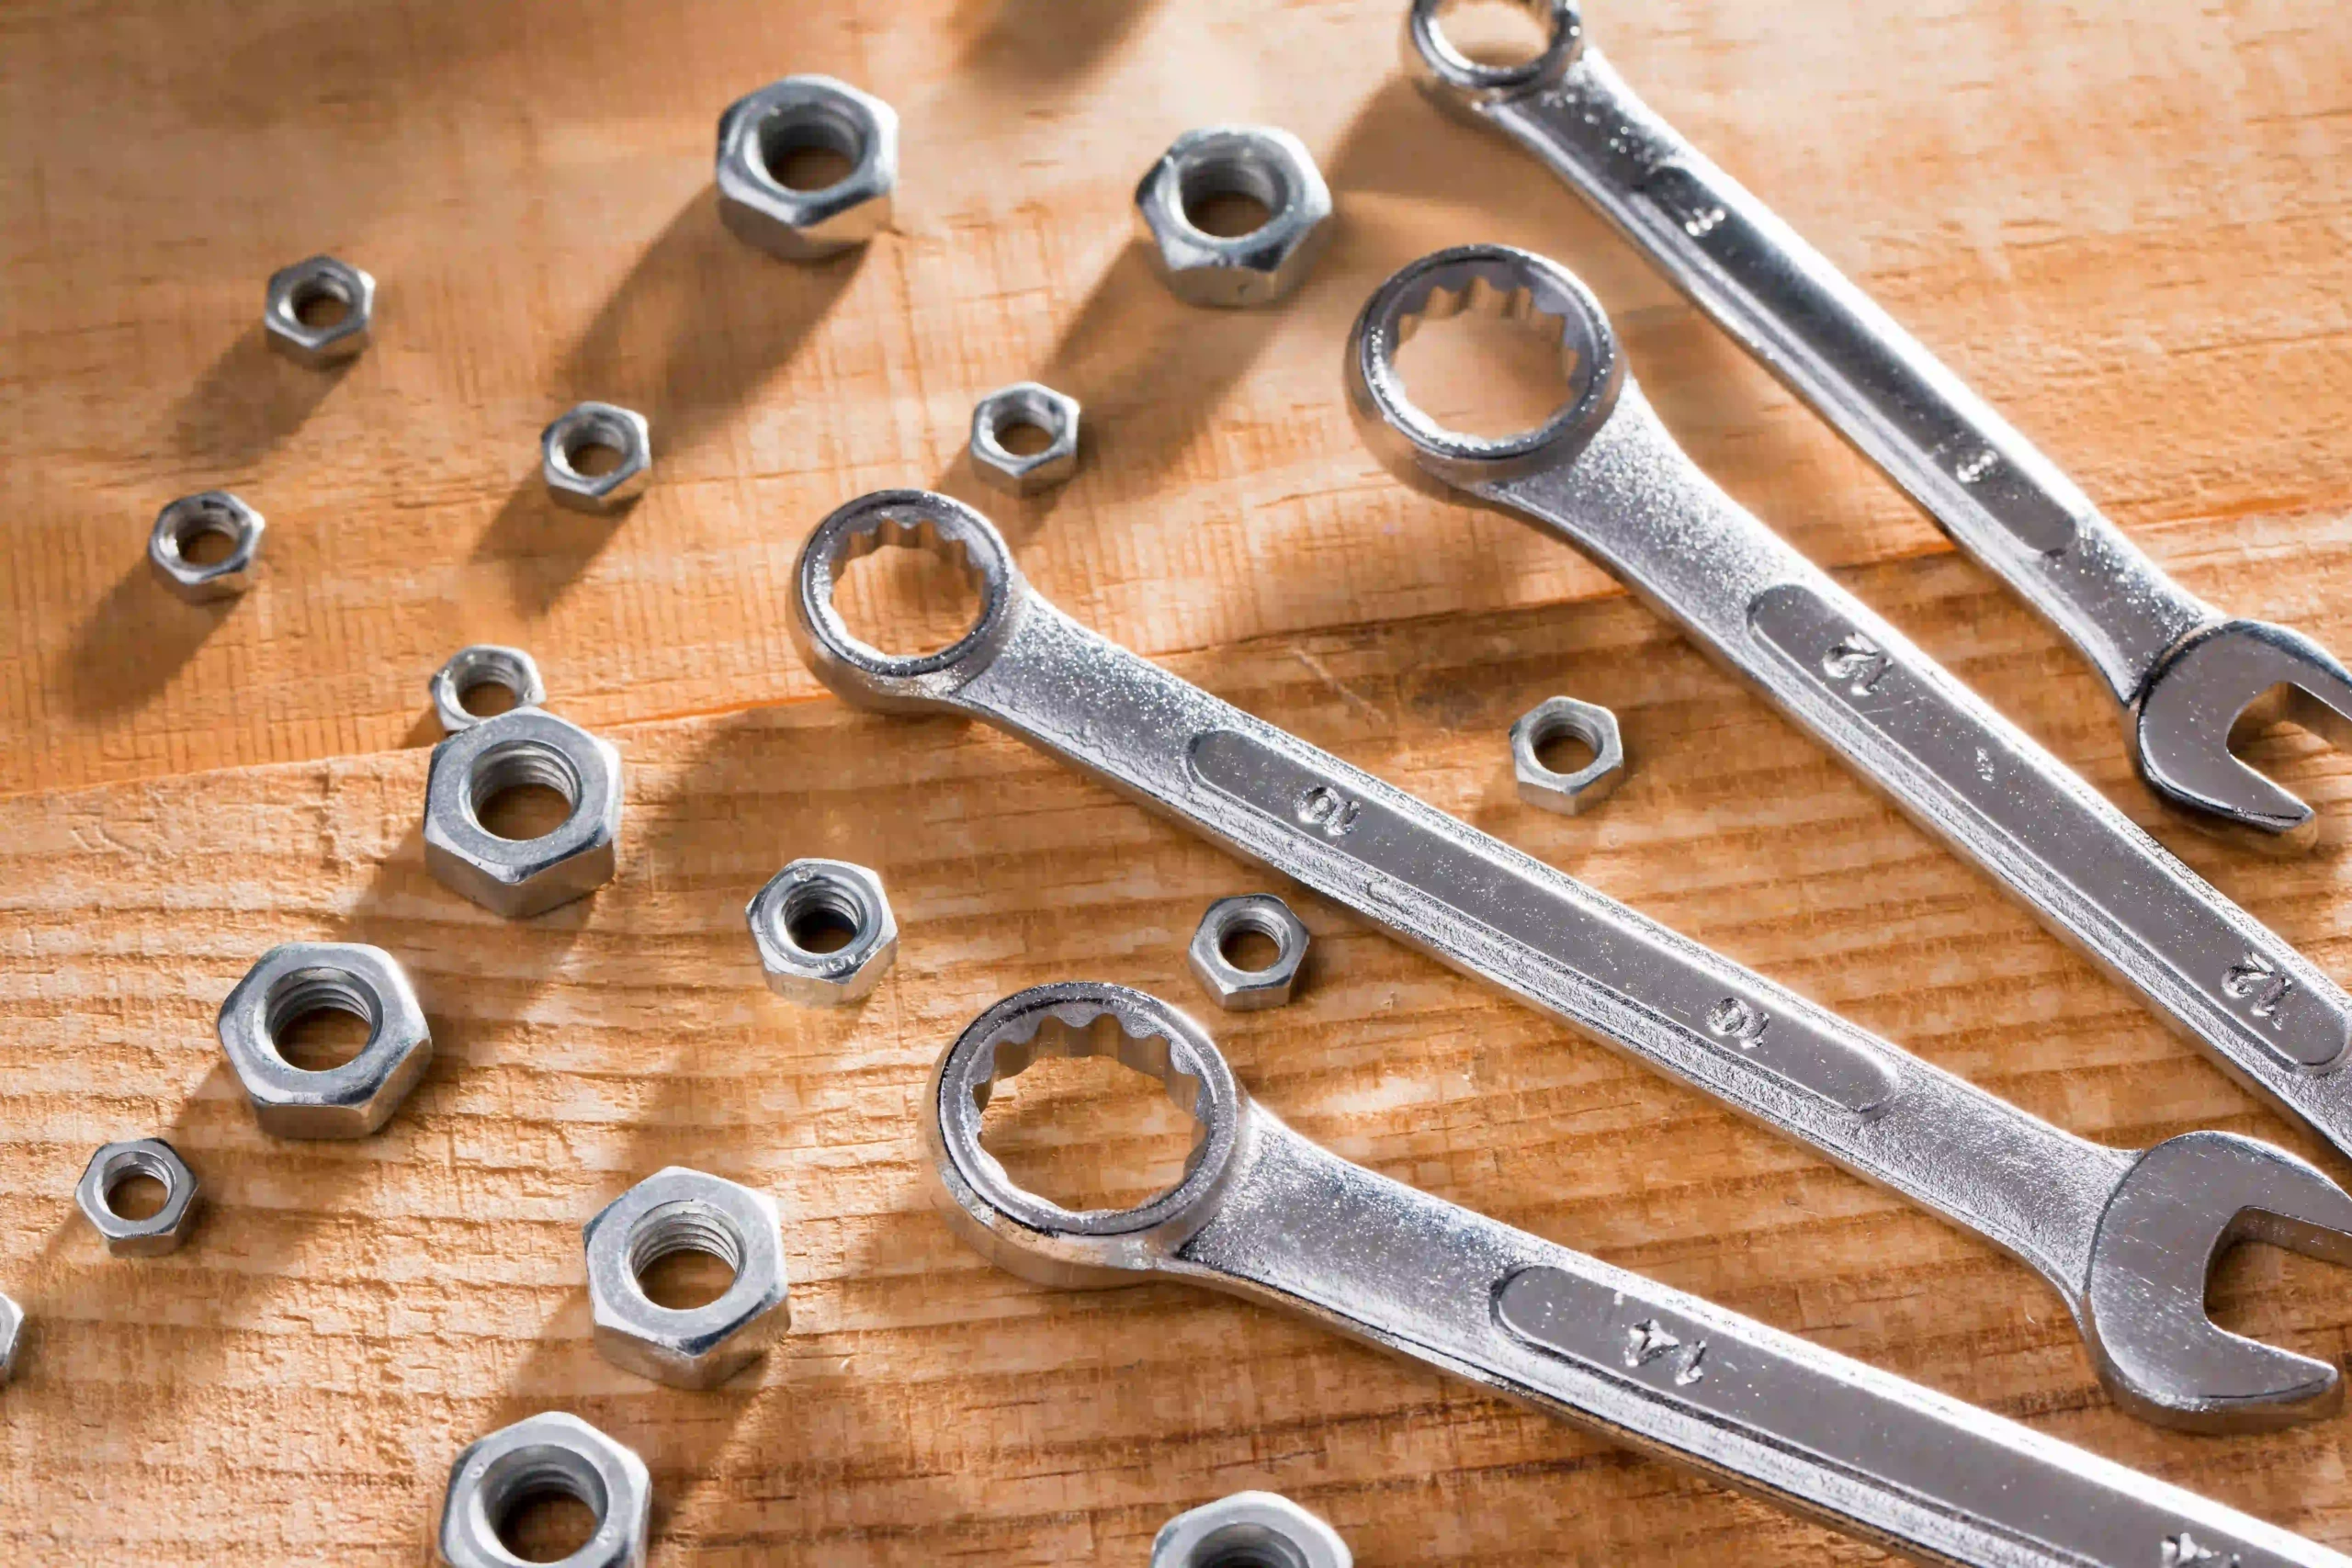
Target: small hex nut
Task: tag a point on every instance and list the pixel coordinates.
(484, 664)
(216, 513)
(356, 1098)
(552, 1452)
(1250, 1527)
(1589, 785)
(160, 1232)
(761, 130)
(810, 896)
(678, 1209)
(12, 1331)
(1006, 410)
(293, 290)
(520, 878)
(1269, 165)
(1245, 990)
(572, 434)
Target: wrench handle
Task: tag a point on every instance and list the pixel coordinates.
(1985, 485)
(1690, 1382)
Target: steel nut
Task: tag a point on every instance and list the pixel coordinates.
(160, 1232)
(758, 135)
(302, 977)
(806, 902)
(12, 1330)
(1270, 166)
(1589, 785)
(322, 280)
(1249, 1528)
(567, 441)
(678, 1209)
(1008, 409)
(517, 878)
(215, 513)
(1244, 990)
(549, 1452)
(484, 664)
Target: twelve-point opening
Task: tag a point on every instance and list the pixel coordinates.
(1099, 1119)
(1501, 33)
(684, 1254)
(319, 1019)
(1246, 1546)
(1230, 190)
(810, 147)
(135, 1185)
(544, 1502)
(1486, 361)
(522, 790)
(319, 302)
(821, 916)
(207, 533)
(902, 589)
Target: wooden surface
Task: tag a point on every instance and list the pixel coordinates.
(2127, 223)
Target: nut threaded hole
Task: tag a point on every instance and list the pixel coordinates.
(1024, 423)
(1230, 191)
(318, 1018)
(544, 1502)
(594, 445)
(540, 776)
(1251, 944)
(1246, 1546)
(206, 534)
(821, 916)
(810, 147)
(135, 1184)
(319, 302)
(1564, 746)
(684, 1254)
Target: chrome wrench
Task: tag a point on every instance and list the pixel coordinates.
(2182, 671)
(1604, 475)
(2126, 1237)
(1264, 1214)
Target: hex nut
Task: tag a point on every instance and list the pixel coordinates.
(191, 517)
(1589, 785)
(826, 894)
(572, 433)
(356, 1098)
(678, 1209)
(293, 288)
(551, 1452)
(1246, 990)
(520, 878)
(760, 131)
(12, 1330)
(1257, 268)
(1008, 409)
(484, 664)
(160, 1232)
(1249, 1528)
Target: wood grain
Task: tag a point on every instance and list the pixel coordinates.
(2126, 223)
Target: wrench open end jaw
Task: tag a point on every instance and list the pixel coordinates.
(2181, 724)
(2182, 1205)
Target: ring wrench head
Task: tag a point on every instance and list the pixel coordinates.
(1036, 1238)
(1461, 84)
(2180, 1206)
(1519, 286)
(2180, 731)
(856, 670)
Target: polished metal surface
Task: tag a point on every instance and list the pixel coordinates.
(812, 895)
(1984, 484)
(582, 428)
(758, 135)
(1612, 482)
(1249, 1529)
(1247, 990)
(12, 1331)
(679, 1209)
(349, 1101)
(1007, 409)
(1268, 165)
(484, 664)
(1578, 789)
(212, 514)
(115, 1164)
(549, 1452)
(1264, 1214)
(294, 291)
(2040, 1193)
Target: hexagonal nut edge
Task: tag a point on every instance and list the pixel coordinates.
(159, 1233)
(520, 878)
(1007, 409)
(1587, 786)
(1250, 1527)
(677, 1209)
(549, 1451)
(1268, 165)
(825, 893)
(572, 434)
(12, 1334)
(292, 288)
(349, 1101)
(760, 130)
(181, 522)
(1245, 990)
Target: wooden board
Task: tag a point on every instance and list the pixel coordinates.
(2125, 222)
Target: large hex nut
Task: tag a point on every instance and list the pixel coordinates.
(215, 513)
(160, 1232)
(1589, 785)
(761, 130)
(517, 878)
(484, 664)
(1272, 167)
(549, 1452)
(347, 1102)
(678, 1209)
(1006, 410)
(575, 432)
(812, 895)
(1244, 990)
(12, 1330)
(294, 289)
(1250, 1527)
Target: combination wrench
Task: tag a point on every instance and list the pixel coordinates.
(2126, 1237)
(1604, 475)
(1264, 1214)
(2181, 670)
